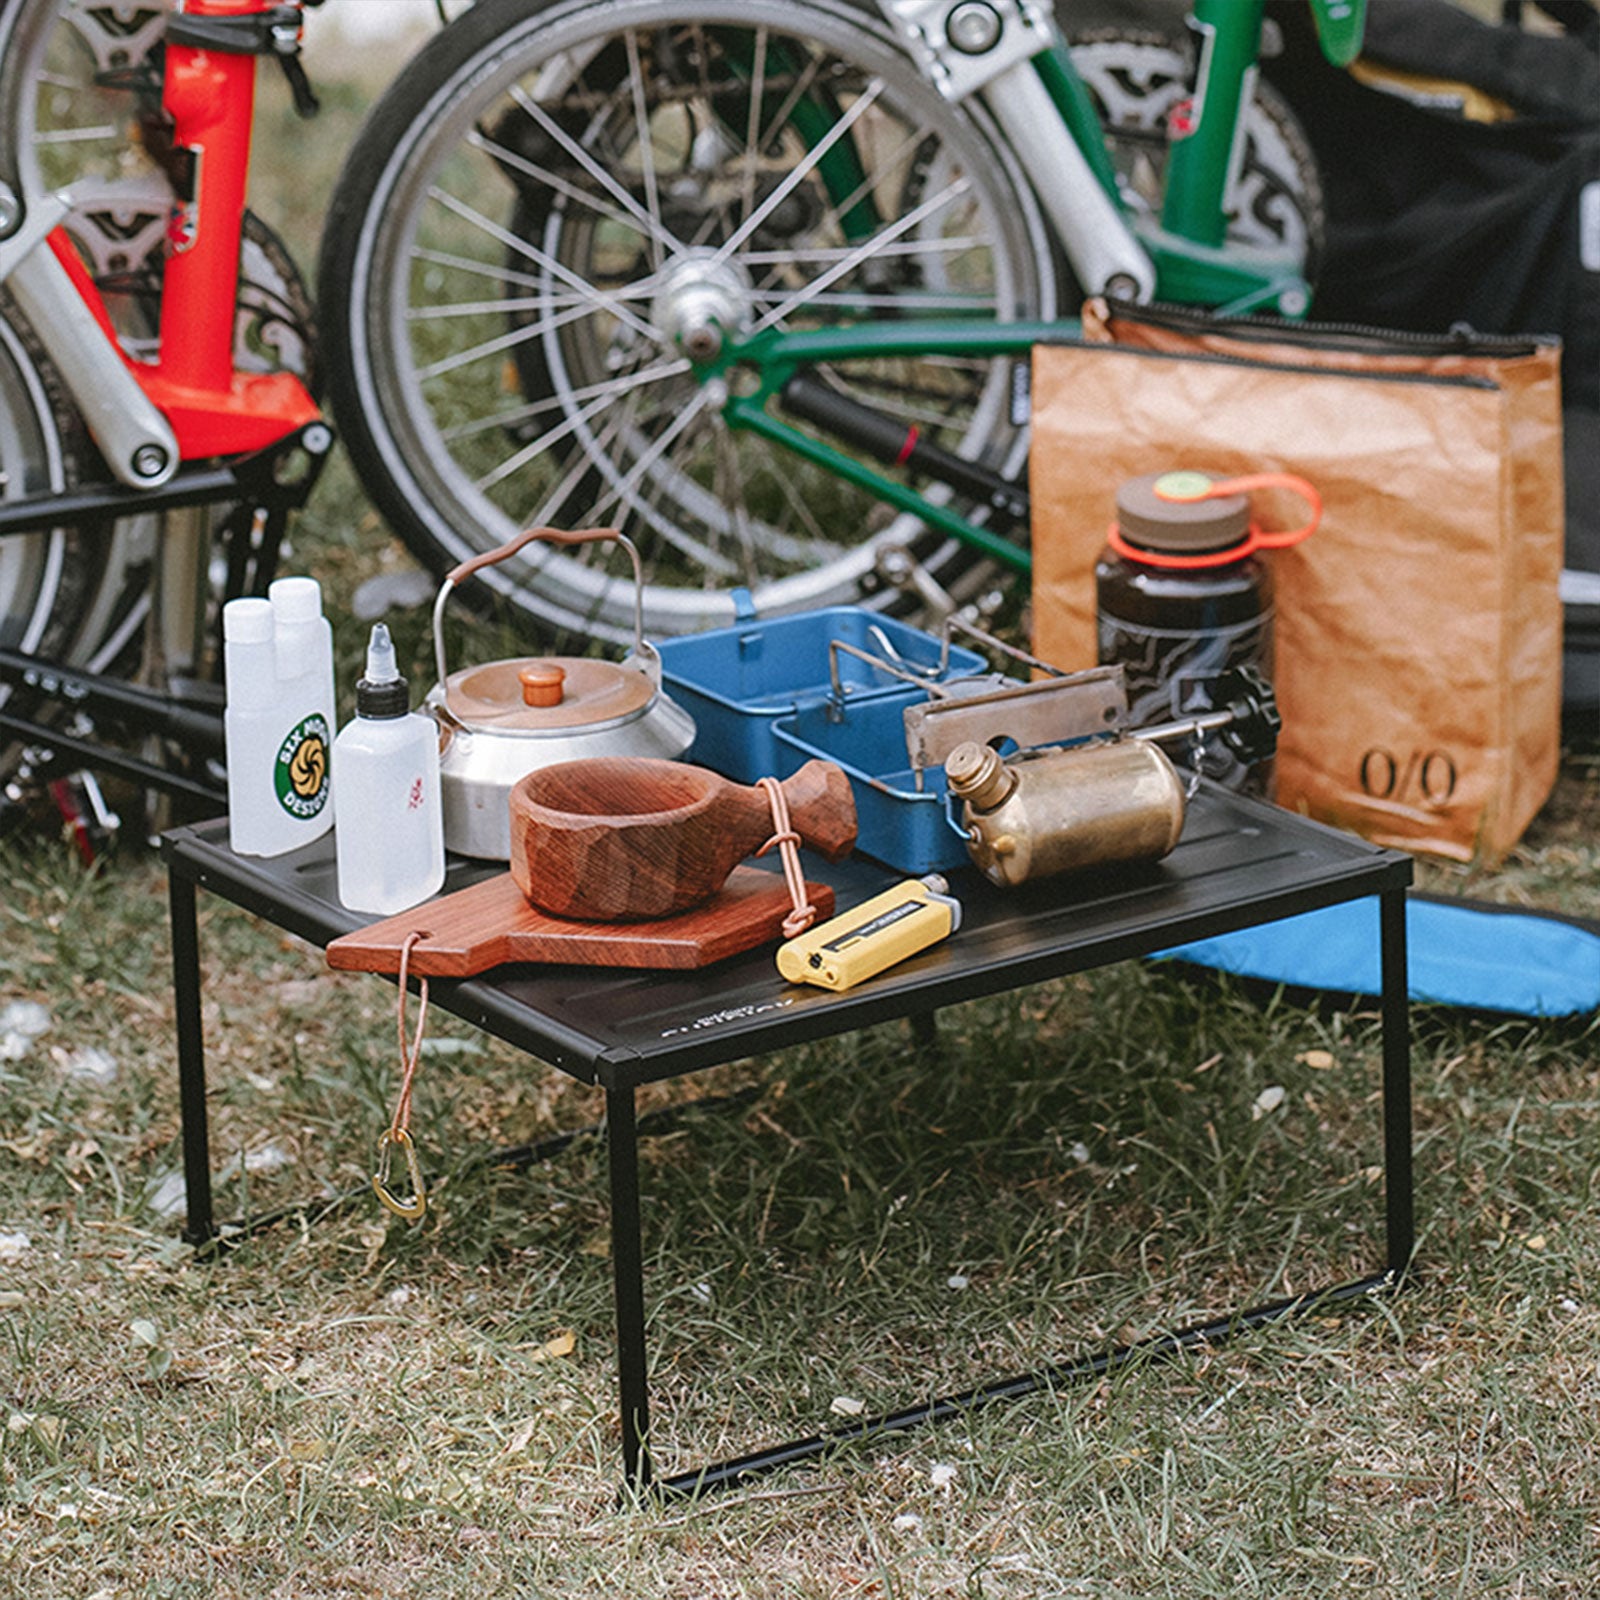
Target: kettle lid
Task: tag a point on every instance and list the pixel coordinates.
(591, 692)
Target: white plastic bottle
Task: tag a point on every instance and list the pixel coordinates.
(279, 718)
(251, 726)
(303, 646)
(389, 825)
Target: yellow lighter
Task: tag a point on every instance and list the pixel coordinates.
(861, 942)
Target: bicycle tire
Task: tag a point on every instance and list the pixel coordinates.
(635, 163)
(46, 578)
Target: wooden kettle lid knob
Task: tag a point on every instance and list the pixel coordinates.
(541, 684)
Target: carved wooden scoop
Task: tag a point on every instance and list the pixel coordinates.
(619, 838)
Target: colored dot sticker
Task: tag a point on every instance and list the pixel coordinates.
(1182, 486)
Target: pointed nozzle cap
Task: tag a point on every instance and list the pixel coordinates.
(381, 692)
(381, 667)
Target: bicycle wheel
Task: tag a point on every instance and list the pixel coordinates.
(48, 581)
(553, 186)
(42, 575)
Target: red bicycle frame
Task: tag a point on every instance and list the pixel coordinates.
(214, 408)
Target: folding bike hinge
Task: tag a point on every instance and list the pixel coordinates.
(960, 45)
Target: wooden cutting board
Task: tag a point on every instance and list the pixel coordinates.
(491, 923)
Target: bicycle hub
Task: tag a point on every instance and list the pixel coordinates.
(700, 302)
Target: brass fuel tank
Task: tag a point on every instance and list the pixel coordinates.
(1037, 814)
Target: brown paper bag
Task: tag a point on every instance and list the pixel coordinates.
(1418, 654)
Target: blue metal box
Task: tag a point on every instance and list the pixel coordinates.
(737, 682)
(897, 824)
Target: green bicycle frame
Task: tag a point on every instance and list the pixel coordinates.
(1187, 246)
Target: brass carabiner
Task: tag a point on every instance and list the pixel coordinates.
(414, 1209)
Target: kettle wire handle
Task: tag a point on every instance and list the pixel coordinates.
(489, 558)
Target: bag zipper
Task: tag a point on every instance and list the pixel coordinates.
(1353, 336)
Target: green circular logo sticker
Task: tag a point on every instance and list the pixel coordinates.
(300, 773)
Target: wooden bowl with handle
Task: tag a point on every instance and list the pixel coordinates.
(619, 839)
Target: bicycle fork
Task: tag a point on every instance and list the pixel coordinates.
(191, 403)
(42, 271)
(1008, 52)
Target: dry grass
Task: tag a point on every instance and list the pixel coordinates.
(344, 1407)
(357, 1408)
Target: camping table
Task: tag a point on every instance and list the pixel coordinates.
(1240, 862)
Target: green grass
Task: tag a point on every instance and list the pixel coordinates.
(347, 1407)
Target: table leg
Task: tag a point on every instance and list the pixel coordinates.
(627, 1269)
(1400, 1234)
(198, 1225)
(1396, 1011)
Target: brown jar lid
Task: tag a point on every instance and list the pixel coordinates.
(1169, 511)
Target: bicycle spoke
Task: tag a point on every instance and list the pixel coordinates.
(498, 345)
(548, 263)
(554, 436)
(802, 169)
(838, 270)
(538, 447)
(550, 126)
(532, 302)
(64, 136)
(729, 482)
(486, 269)
(530, 409)
(503, 156)
(752, 138)
(546, 513)
(804, 82)
(911, 304)
(819, 543)
(952, 243)
(623, 488)
(647, 154)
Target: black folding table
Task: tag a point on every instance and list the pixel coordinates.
(1240, 863)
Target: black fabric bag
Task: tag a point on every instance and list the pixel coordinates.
(1434, 218)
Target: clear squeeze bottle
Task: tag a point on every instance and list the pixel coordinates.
(389, 825)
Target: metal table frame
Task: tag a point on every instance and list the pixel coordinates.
(1240, 863)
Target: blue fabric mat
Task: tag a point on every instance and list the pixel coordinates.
(1461, 953)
